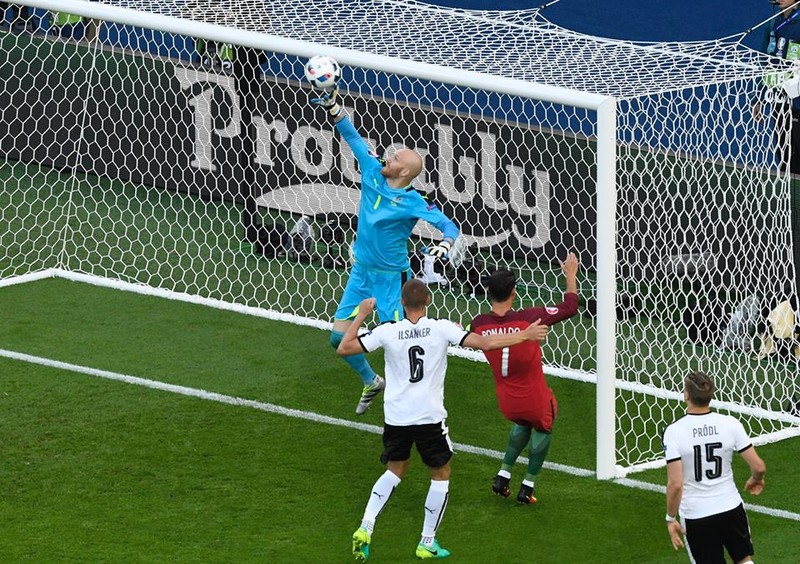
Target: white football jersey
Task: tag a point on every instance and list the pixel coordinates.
(415, 356)
(705, 444)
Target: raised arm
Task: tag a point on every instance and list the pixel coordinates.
(533, 332)
(329, 101)
(570, 269)
(350, 343)
(567, 308)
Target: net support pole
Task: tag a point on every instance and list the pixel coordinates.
(247, 73)
(606, 287)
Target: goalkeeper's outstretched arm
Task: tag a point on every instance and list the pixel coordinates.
(330, 102)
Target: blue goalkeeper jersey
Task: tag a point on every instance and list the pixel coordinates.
(386, 215)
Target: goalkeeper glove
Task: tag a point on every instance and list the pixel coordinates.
(328, 101)
(440, 250)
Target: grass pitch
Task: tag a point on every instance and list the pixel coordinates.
(96, 470)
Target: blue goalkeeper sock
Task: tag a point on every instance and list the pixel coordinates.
(357, 361)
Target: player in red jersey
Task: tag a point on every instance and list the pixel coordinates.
(522, 392)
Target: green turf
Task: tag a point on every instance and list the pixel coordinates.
(164, 239)
(102, 471)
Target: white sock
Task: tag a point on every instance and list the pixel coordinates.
(435, 504)
(380, 494)
(504, 474)
(527, 483)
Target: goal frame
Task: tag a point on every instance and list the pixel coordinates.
(605, 108)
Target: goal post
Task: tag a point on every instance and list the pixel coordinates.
(606, 457)
(133, 161)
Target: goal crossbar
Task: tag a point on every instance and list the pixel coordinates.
(263, 41)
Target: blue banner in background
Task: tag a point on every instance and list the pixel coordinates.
(634, 20)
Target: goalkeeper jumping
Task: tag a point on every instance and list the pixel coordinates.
(390, 208)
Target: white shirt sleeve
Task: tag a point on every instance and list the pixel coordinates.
(373, 340)
(452, 331)
(671, 451)
(740, 439)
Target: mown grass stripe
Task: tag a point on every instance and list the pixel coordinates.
(318, 418)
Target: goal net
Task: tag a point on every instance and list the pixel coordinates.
(169, 147)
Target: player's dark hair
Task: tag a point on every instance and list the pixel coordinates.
(500, 285)
(700, 388)
(415, 294)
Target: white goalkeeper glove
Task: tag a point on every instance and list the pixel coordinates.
(440, 250)
(328, 101)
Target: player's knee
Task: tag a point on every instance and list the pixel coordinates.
(540, 443)
(336, 338)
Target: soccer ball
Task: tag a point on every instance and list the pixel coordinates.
(323, 71)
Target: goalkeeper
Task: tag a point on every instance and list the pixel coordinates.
(389, 209)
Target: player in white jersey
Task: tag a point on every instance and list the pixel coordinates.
(415, 366)
(699, 448)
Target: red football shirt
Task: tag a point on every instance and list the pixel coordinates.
(518, 375)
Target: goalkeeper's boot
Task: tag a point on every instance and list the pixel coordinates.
(361, 540)
(500, 486)
(425, 552)
(526, 495)
(368, 394)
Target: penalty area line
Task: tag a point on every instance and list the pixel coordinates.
(318, 418)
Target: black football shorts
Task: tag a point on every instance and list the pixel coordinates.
(432, 441)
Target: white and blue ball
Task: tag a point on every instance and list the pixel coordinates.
(323, 72)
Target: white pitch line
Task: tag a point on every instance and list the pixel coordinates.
(316, 417)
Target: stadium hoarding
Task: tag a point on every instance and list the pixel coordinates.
(512, 187)
(501, 181)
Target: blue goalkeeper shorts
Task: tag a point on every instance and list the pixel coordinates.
(383, 286)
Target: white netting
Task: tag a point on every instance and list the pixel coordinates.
(133, 157)
(519, 44)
